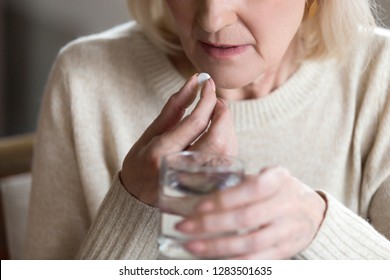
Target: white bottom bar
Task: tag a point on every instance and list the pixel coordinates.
(167, 269)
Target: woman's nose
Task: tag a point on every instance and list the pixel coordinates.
(214, 15)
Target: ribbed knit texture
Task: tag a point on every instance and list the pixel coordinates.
(114, 243)
(343, 229)
(328, 124)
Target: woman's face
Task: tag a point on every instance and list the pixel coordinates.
(237, 41)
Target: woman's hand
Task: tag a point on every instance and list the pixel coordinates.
(277, 215)
(210, 124)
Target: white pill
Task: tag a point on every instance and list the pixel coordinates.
(202, 78)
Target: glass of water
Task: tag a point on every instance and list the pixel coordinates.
(185, 178)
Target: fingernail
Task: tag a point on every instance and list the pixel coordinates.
(206, 206)
(211, 81)
(196, 246)
(203, 78)
(185, 226)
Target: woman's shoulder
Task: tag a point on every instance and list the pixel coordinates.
(381, 35)
(377, 53)
(122, 42)
(379, 43)
(371, 75)
(370, 57)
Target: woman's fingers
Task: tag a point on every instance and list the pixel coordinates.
(172, 133)
(274, 215)
(220, 137)
(246, 217)
(210, 119)
(193, 125)
(140, 167)
(253, 189)
(253, 203)
(173, 110)
(267, 239)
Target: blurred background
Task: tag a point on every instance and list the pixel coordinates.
(31, 34)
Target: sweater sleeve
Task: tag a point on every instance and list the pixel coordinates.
(345, 235)
(125, 228)
(60, 224)
(58, 216)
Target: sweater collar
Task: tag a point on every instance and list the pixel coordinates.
(296, 93)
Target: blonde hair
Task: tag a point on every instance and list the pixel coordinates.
(337, 26)
(155, 19)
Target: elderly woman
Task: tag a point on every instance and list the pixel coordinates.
(300, 90)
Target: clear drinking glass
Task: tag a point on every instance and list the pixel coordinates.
(185, 178)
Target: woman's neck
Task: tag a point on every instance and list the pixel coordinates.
(271, 79)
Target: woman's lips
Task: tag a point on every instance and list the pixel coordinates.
(223, 51)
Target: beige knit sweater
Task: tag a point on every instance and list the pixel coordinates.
(329, 125)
